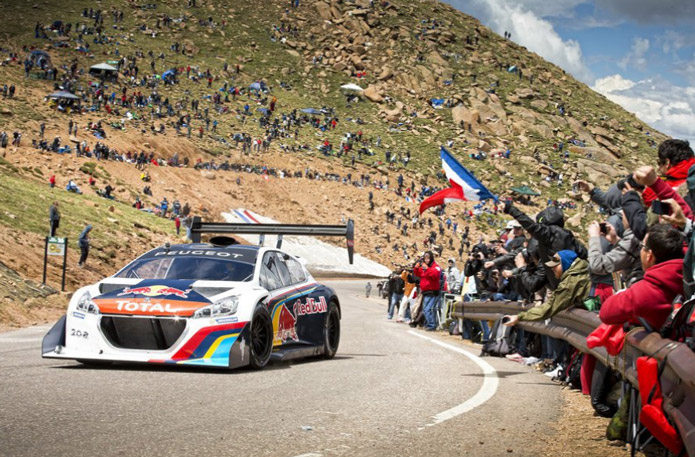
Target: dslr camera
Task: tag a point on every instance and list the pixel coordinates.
(629, 179)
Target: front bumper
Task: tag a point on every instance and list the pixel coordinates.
(221, 342)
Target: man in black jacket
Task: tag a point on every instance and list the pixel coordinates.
(552, 237)
(54, 218)
(396, 288)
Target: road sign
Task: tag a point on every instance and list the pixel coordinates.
(56, 246)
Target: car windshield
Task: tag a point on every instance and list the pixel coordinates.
(193, 268)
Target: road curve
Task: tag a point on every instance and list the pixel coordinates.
(389, 391)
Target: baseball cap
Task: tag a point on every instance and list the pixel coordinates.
(555, 261)
(512, 224)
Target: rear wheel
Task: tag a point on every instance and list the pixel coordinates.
(331, 331)
(261, 338)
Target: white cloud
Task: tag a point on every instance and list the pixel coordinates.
(667, 107)
(637, 56)
(530, 30)
(613, 83)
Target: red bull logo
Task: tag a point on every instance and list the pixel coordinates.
(310, 307)
(155, 291)
(287, 329)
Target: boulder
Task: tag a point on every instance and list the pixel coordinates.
(461, 113)
(385, 74)
(372, 94)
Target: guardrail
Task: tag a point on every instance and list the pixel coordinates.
(573, 326)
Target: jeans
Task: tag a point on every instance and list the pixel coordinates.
(429, 309)
(395, 299)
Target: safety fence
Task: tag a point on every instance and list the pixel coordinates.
(574, 325)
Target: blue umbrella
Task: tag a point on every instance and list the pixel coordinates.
(311, 111)
(255, 86)
(263, 110)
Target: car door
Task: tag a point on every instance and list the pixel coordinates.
(279, 284)
(311, 303)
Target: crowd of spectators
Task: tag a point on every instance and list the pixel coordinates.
(632, 273)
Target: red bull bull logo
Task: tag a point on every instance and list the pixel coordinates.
(155, 291)
(287, 325)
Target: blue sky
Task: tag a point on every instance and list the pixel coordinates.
(638, 53)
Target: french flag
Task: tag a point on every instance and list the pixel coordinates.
(464, 186)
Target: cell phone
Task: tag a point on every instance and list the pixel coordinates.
(661, 208)
(604, 228)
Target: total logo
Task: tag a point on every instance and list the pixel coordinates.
(155, 291)
(125, 305)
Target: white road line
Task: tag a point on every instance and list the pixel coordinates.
(486, 392)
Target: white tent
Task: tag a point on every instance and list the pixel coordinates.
(351, 86)
(103, 67)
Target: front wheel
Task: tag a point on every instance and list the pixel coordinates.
(261, 338)
(331, 332)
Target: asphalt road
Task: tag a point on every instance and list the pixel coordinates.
(389, 391)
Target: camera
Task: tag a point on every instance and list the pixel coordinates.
(604, 228)
(505, 319)
(630, 180)
(661, 208)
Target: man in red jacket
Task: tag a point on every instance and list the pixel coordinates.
(429, 273)
(675, 159)
(651, 298)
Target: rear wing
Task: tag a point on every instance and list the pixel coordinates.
(348, 231)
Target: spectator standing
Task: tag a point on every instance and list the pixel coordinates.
(54, 217)
(84, 241)
(429, 273)
(52, 181)
(368, 289)
(177, 224)
(397, 287)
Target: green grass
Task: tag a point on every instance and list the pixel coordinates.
(25, 204)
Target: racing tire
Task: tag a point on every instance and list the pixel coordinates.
(260, 338)
(331, 332)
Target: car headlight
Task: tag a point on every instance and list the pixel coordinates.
(86, 305)
(224, 307)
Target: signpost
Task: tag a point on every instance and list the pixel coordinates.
(55, 247)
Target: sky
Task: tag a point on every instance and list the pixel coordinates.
(638, 53)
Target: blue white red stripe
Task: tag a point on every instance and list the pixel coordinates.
(464, 186)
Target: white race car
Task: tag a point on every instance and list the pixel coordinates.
(216, 304)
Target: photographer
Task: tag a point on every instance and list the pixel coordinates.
(552, 237)
(429, 273)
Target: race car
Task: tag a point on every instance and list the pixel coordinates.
(213, 304)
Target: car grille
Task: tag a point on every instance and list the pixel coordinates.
(142, 333)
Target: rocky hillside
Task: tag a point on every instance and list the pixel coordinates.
(431, 76)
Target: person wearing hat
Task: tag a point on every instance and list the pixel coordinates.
(624, 255)
(572, 289)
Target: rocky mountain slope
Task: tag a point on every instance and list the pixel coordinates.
(431, 75)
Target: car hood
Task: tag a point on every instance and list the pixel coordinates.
(152, 297)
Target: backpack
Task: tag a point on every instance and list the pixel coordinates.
(500, 342)
(571, 375)
(680, 324)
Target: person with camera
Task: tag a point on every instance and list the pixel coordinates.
(429, 273)
(552, 237)
(675, 159)
(573, 287)
(622, 257)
